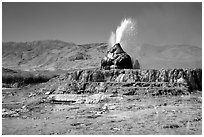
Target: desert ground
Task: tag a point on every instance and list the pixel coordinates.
(26, 112)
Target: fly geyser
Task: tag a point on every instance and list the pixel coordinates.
(116, 57)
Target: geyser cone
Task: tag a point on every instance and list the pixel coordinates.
(117, 49)
(116, 58)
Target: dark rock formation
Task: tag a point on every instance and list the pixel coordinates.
(116, 58)
(136, 64)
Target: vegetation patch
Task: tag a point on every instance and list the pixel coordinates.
(16, 79)
(79, 56)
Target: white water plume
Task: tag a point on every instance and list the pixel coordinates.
(126, 35)
(127, 26)
(112, 39)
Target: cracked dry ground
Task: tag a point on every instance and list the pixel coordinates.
(129, 115)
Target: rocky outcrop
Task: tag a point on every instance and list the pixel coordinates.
(116, 58)
(191, 76)
(126, 80)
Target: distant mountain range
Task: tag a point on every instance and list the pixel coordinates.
(51, 55)
(171, 56)
(55, 54)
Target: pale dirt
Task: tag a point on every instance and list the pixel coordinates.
(127, 115)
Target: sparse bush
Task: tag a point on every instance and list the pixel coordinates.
(25, 79)
(79, 56)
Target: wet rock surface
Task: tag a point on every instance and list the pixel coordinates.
(116, 58)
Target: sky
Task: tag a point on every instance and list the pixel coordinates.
(82, 23)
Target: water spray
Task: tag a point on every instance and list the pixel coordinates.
(125, 33)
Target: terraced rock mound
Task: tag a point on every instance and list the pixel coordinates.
(126, 82)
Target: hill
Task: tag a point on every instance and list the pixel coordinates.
(59, 55)
(51, 55)
(170, 56)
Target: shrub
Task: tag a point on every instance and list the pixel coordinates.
(25, 79)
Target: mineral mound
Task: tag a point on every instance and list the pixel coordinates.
(125, 81)
(116, 58)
